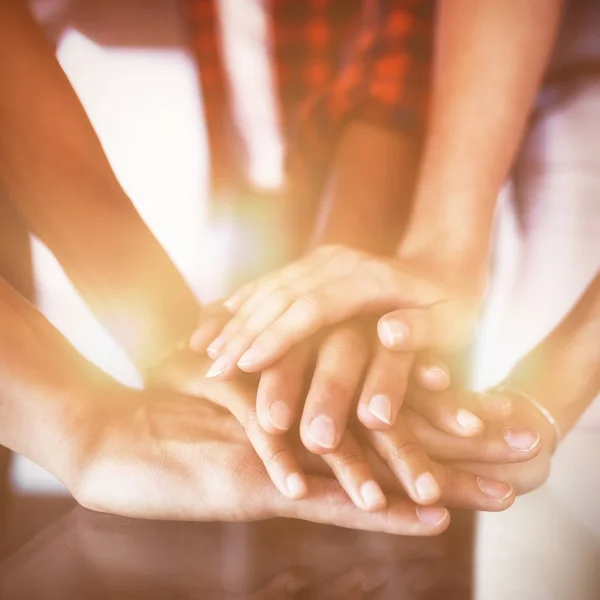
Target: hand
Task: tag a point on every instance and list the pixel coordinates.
(516, 447)
(160, 456)
(331, 285)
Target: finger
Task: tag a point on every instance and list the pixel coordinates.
(356, 584)
(450, 411)
(328, 503)
(524, 477)
(350, 467)
(462, 489)
(496, 445)
(212, 320)
(259, 289)
(407, 459)
(268, 300)
(455, 411)
(375, 285)
(333, 390)
(280, 391)
(437, 326)
(384, 388)
(275, 451)
(431, 372)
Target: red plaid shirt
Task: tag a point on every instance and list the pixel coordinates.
(334, 61)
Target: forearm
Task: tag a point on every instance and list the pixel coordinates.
(369, 190)
(489, 60)
(41, 380)
(54, 170)
(563, 372)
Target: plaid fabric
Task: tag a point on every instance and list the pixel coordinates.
(334, 61)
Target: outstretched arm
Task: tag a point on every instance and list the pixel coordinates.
(54, 170)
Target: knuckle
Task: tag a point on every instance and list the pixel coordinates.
(331, 391)
(348, 460)
(407, 451)
(275, 454)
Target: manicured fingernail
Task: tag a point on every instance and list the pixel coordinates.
(496, 402)
(248, 358)
(372, 495)
(322, 431)
(215, 347)
(467, 420)
(280, 415)
(431, 515)
(427, 487)
(520, 438)
(295, 485)
(494, 489)
(381, 408)
(393, 332)
(232, 303)
(218, 367)
(435, 377)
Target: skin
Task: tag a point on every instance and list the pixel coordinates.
(55, 173)
(160, 455)
(146, 308)
(495, 56)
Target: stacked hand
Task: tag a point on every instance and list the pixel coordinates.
(280, 314)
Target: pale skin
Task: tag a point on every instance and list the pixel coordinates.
(495, 56)
(161, 455)
(168, 456)
(53, 169)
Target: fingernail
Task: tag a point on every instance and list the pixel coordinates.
(431, 515)
(436, 377)
(393, 332)
(295, 485)
(322, 431)
(212, 353)
(467, 420)
(381, 408)
(232, 303)
(427, 487)
(496, 402)
(372, 495)
(218, 367)
(494, 489)
(520, 438)
(280, 415)
(215, 347)
(248, 358)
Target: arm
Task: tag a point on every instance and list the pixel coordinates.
(561, 374)
(365, 131)
(53, 169)
(40, 414)
(489, 60)
(109, 443)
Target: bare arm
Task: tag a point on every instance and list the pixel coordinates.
(489, 60)
(370, 185)
(40, 377)
(54, 170)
